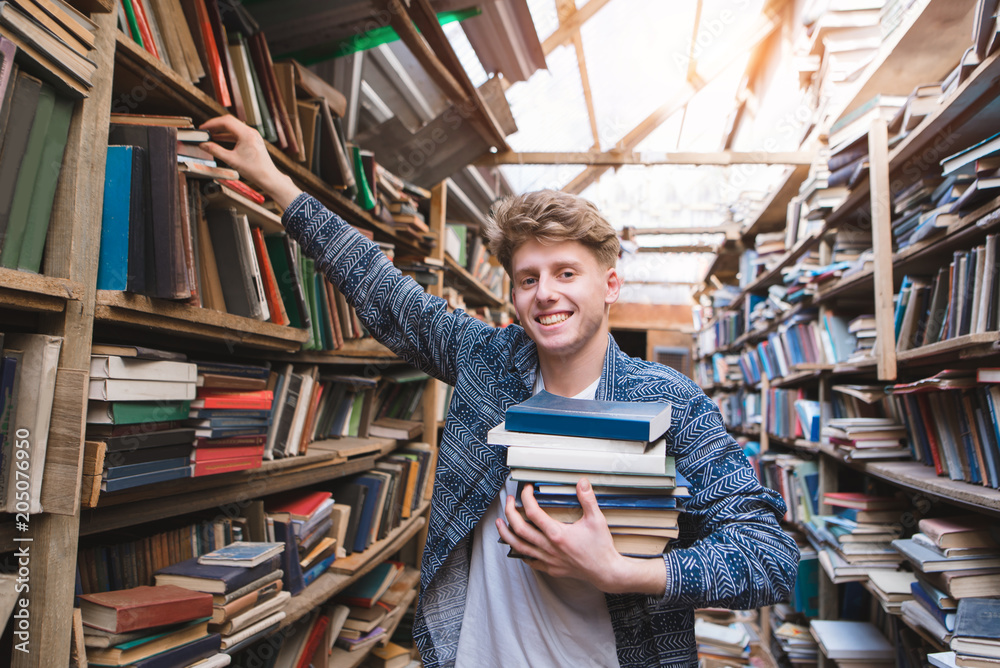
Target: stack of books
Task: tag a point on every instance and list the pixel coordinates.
(552, 442)
(231, 416)
(858, 538)
(797, 643)
(241, 571)
(367, 621)
(723, 645)
(891, 589)
(977, 635)
(309, 524)
(953, 559)
(139, 398)
(853, 643)
(126, 626)
(868, 438)
(309, 640)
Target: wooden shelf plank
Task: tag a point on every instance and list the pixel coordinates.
(25, 291)
(476, 293)
(324, 461)
(329, 583)
(268, 221)
(168, 316)
(970, 345)
(354, 351)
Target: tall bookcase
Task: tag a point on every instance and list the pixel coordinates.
(63, 301)
(910, 56)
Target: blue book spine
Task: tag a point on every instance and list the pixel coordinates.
(317, 570)
(374, 486)
(993, 453)
(128, 470)
(112, 266)
(116, 484)
(930, 604)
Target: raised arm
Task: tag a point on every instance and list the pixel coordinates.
(396, 310)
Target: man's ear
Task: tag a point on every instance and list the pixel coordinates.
(614, 286)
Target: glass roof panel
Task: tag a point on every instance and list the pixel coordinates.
(544, 16)
(526, 178)
(466, 54)
(630, 83)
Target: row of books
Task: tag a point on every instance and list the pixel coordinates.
(34, 127)
(28, 367)
(952, 423)
(157, 416)
(740, 409)
(721, 333)
(957, 300)
(52, 41)
(315, 529)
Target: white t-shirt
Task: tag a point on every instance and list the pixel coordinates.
(516, 616)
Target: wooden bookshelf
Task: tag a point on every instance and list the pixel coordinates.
(773, 214)
(329, 583)
(23, 291)
(476, 294)
(182, 319)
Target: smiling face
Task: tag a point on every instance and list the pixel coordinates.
(562, 294)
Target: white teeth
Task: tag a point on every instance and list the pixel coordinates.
(552, 319)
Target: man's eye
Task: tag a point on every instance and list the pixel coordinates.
(568, 274)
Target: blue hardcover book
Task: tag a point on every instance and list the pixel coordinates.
(128, 470)
(117, 484)
(317, 570)
(229, 432)
(611, 501)
(233, 369)
(991, 427)
(547, 413)
(112, 266)
(374, 485)
(977, 618)
(930, 603)
(292, 579)
(215, 579)
(185, 655)
(220, 421)
(242, 553)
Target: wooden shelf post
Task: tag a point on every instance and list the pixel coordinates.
(881, 205)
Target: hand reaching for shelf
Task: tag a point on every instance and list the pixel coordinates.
(249, 157)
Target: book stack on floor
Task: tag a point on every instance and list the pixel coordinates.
(148, 626)
(139, 398)
(853, 643)
(375, 602)
(858, 538)
(311, 527)
(953, 559)
(977, 635)
(868, 438)
(552, 442)
(231, 417)
(260, 566)
(28, 367)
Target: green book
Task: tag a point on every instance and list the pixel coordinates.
(356, 410)
(44, 193)
(135, 412)
(308, 266)
(270, 132)
(23, 103)
(18, 222)
(326, 336)
(365, 198)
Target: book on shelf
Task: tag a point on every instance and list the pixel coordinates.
(243, 553)
(30, 364)
(144, 607)
(976, 632)
(213, 579)
(190, 639)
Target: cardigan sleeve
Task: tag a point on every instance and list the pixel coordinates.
(394, 308)
(734, 553)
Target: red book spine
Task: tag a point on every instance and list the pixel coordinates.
(226, 465)
(928, 420)
(315, 636)
(244, 190)
(211, 454)
(217, 73)
(143, 23)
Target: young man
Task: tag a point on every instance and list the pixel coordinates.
(576, 601)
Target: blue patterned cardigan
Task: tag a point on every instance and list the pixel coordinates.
(731, 552)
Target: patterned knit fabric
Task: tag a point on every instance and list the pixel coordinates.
(731, 552)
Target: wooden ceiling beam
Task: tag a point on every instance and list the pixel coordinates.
(564, 33)
(648, 158)
(589, 176)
